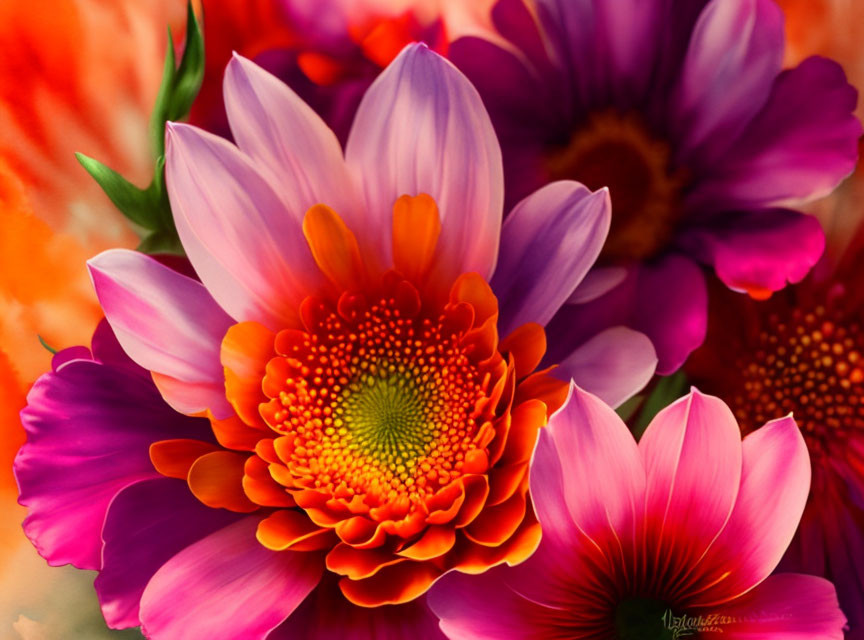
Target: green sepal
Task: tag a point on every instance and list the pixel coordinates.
(180, 84)
(47, 346)
(139, 205)
(162, 241)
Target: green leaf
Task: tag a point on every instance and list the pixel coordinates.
(180, 85)
(666, 391)
(47, 346)
(139, 205)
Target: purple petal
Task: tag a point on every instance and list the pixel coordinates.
(599, 282)
(227, 586)
(799, 147)
(285, 137)
(735, 52)
(147, 523)
(615, 364)
(548, 243)
(760, 250)
(422, 128)
(89, 428)
(246, 246)
(167, 323)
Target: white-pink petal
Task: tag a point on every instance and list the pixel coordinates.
(422, 128)
(166, 322)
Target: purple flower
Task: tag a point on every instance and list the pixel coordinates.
(681, 108)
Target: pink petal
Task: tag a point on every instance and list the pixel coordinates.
(760, 250)
(286, 138)
(239, 234)
(227, 586)
(775, 483)
(167, 323)
(548, 243)
(422, 128)
(615, 364)
(787, 606)
(692, 455)
(602, 480)
(735, 52)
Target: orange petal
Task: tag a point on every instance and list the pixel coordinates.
(444, 505)
(504, 481)
(528, 345)
(333, 246)
(246, 350)
(359, 563)
(392, 585)
(435, 542)
(526, 420)
(216, 479)
(173, 458)
(416, 227)
(233, 433)
(473, 289)
(542, 386)
(476, 493)
(476, 461)
(470, 557)
(289, 529)
(260, 486)
(496, 524)
(361, 532)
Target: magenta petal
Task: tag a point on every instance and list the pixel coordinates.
(483, 607)
(799, 147)
(227, 586)
(326, 615)
(735, 53)
(89, 428)
(168, 323)
(237, 230)
(692, 456)
(760, 250)
(147, 523)
(775, 483)
(422, 128)
(787, 606)
(548, 243)
(614, 365)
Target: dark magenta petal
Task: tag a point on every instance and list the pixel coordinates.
(148, 523)
(89, 428)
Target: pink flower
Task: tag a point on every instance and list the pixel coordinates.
(680, 531)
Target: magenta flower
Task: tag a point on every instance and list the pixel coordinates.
(680, 531)
(680, 107)
(363, 340)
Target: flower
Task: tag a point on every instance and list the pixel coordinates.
(680, 107)
(801, 351)
(368, 430)
(679, 532)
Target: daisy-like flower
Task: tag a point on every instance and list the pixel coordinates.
(673, 537)
(802, 351)
(680, 107)
(368, 431)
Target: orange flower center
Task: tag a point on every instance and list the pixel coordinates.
(378, 400)
(617, 151)
(809, 363)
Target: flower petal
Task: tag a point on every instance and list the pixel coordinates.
(147, 523)
(77, 458)
(244, 244)
(280, 132)
(615, 364)
(735, 53)
(775, 483)
(249, 590)
(692, 455)
(422, 128)
(759, 252)
(167, 323)
(798, 148)
(548, 243)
